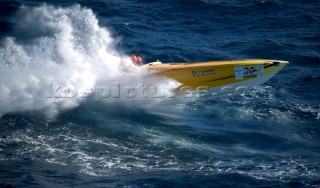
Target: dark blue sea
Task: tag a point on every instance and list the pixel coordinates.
(266, 137)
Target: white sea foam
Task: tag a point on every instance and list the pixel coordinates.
(56, 47)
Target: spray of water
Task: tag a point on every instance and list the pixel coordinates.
(61, 46)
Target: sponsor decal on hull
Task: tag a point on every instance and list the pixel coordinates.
(203, 72)
(242, 71)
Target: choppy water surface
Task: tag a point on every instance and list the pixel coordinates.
(267, 137)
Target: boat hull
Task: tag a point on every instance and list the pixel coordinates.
(250, 72)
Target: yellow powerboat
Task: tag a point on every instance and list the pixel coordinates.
(212, 74)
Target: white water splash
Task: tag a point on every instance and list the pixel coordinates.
(61, 46)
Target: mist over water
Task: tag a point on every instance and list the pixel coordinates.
(266, 136)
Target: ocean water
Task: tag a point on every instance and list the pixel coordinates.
(267, 137)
